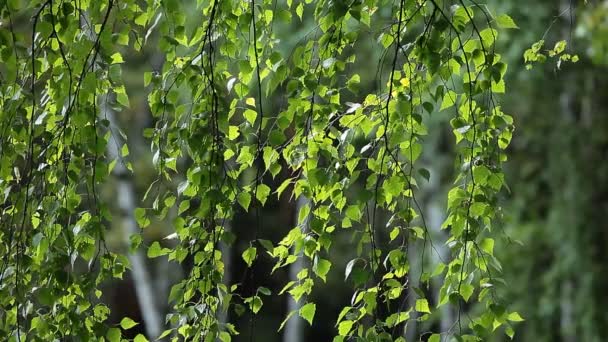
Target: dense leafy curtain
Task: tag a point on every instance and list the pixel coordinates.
(240, 117)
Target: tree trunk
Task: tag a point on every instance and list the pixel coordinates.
(294, 329)
(226, 251)
(566, 291)
(413, 256)
(128, 225)
(436, 216)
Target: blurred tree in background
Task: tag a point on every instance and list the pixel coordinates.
(557, 174)
(215, 170)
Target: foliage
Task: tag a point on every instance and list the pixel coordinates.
(534, 54)
(557, 175)
(238, 121)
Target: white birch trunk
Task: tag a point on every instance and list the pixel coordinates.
(413, 253)
(436, 216)
(127, 204)
(294, 329)
(226, 251)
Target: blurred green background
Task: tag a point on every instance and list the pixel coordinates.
(554, 252)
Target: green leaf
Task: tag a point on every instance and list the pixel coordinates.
(506, 22)
(488, 37)
(225, 336)
(117, 58)
(397, 318)
(394, 233)
(250, 115)
(255, 303)
(308, 312)
(233, 132)
(266, 244)
(344, 327)
(249, 255)
(155, 250)
(321, 268)
(353, 83)
(478, 209)
(559, 47)
(140, 217)
(514, 317)
(425, 174)
(140, 338)
(509, 332)
(435, 338)
(113, 335)
(141, 19)
(466, 291)
(262, 193)
(487, 245)
(270, 157)
(268, 15)
(165, 334)
(498, 87)
(124, 151)
(127, 323)
(286, 319)
(386, 39)
(353, 212)
(264, 290)
(422, 305)
(449, 100)
(244, 199)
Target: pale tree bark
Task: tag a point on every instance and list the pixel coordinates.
(435, 216)
(433, 199)
(413, 256)
(226, 251)
(127, 202)
(565, 100)
(294, 329)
